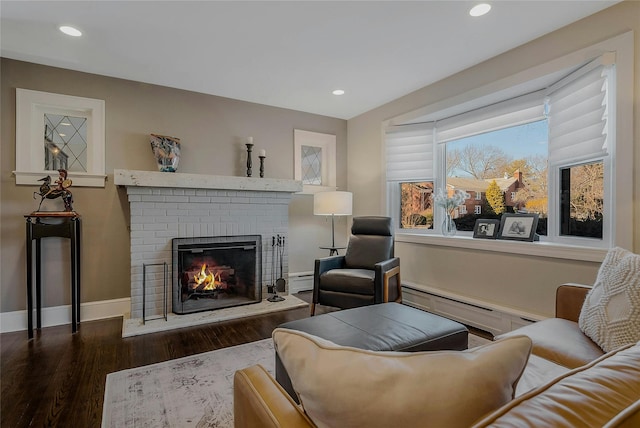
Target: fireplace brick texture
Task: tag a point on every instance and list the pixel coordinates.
(160, 214)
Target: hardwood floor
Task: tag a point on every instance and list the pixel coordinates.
(57, 379)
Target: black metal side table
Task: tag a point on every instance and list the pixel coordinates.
(67, 226)
(333, 250)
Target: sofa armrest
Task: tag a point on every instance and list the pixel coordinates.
(259, 401)
(569, 300)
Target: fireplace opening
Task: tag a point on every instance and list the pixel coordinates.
(216, 272)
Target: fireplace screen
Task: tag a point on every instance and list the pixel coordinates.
(216, 272)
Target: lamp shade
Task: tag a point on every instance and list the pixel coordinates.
(332, 203)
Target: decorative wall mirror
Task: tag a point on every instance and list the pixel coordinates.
(55, 131)
(315, 160)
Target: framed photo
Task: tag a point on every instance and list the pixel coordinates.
(486, 228)
(518, 227)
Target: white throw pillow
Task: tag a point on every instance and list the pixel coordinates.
(610, 315)
(347, 387)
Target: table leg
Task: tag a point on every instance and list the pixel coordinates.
(29, 281)
(38, 284)
(78, 241)
(74, 285)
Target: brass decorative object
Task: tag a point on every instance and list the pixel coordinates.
(61, 190)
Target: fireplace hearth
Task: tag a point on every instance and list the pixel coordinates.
(215, 272)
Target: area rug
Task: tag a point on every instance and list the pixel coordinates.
(135, 326)
(194, 391)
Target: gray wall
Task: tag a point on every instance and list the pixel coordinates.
(211, 130)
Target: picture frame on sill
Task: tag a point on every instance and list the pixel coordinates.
(518, 227)
(486, 228)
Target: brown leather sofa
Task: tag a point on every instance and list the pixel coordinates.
(599, 390)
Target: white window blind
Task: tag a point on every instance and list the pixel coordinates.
(409, 152)
(578, 114)
(516, 111)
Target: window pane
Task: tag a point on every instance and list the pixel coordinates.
(581, 200)
(311, 165)
(416, 206)
(505, 169)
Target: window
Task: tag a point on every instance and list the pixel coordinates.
(59, 131)
(314, 160)
(582, 200)
(499, 162)
(557, 159)
(417, 206)
(409, 154)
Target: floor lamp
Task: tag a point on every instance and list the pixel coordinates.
(334, 204)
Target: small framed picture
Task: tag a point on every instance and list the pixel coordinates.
(486, 228)
(518, 227)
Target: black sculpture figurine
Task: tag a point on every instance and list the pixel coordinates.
(60, 191)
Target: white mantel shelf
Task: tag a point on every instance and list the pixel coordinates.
(126, 177)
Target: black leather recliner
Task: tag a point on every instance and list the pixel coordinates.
(367, 274)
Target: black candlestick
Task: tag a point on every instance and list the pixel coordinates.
(249, 147)
(262, 166)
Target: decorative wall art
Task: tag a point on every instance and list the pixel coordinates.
(55, 131)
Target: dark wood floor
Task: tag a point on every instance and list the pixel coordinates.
(57, 379)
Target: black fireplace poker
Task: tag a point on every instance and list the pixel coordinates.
(280, 282)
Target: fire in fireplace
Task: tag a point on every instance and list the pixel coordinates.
(216, 272)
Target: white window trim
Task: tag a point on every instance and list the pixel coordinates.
(537, 249)
(621, 186)
(30, 109)
(478, 196)
(477, 209)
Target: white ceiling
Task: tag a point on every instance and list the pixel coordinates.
(289, 54)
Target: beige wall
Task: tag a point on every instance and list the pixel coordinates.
(211, 129)
(522, 282)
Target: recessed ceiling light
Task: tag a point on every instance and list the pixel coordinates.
(480, 9)
(338, 92)
(70, 31)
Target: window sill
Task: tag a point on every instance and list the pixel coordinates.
(537, 249)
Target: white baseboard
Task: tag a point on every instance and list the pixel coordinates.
(493, 318)
(60, 315)
(300, 281)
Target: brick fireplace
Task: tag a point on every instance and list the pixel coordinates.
(164, 206)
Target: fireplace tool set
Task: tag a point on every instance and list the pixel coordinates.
(277, 252)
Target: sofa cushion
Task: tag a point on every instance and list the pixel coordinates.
(347, 387)
(560, 341)
(610, 315)
(602, 393)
